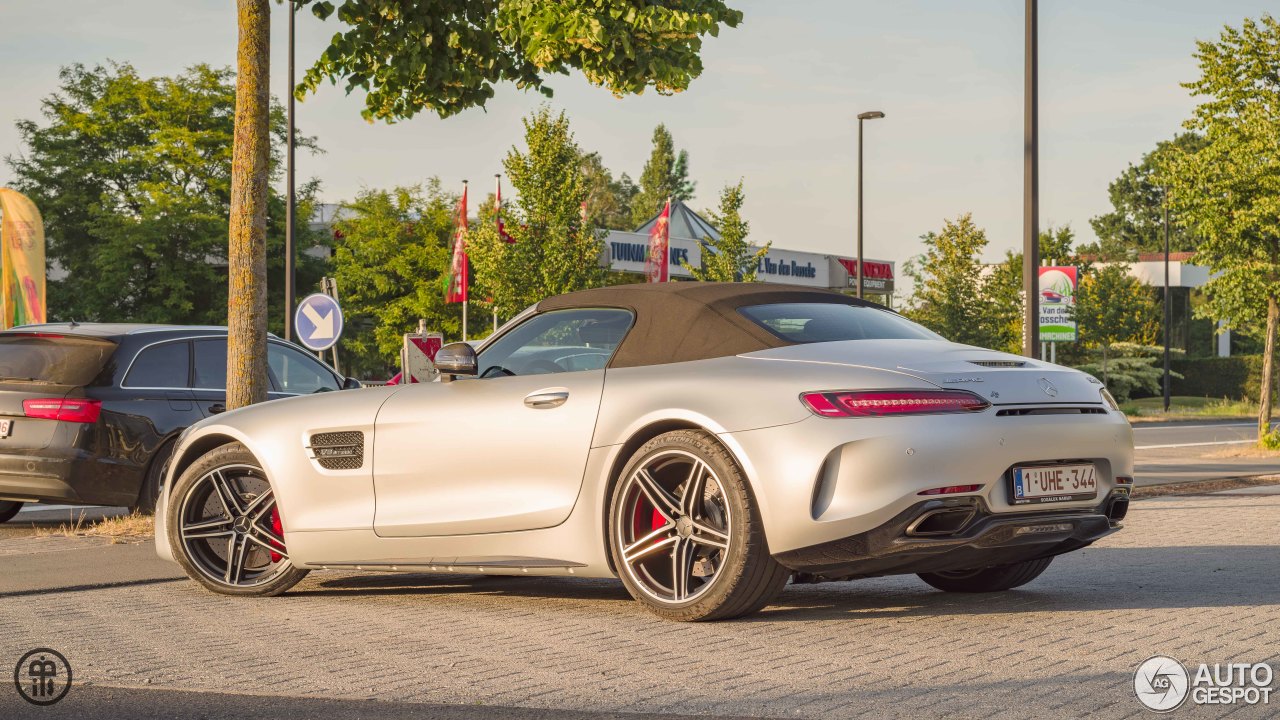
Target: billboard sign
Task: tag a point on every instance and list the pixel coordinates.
(1057, 303)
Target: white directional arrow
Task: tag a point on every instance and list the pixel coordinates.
(324, 324)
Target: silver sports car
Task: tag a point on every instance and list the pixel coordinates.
(704, 443)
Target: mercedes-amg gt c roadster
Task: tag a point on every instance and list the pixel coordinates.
(704, 443)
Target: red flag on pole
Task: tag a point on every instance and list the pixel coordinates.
(497, 212)
(458, 281)
(655, 266)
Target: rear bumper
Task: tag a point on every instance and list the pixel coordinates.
(972, 537)
(68, 477)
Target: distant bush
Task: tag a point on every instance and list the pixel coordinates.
(1238, 377)
(1127, 369)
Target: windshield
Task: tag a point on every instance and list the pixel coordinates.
(829, 322)
(60, 359)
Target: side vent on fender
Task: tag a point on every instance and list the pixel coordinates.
(338, 450)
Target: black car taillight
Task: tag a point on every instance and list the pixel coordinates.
(79, 410)
(880, 403)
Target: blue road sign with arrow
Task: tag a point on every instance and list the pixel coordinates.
(318, 321)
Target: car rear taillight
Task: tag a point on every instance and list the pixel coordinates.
(951, 490)
(78, 410)
(879, 403)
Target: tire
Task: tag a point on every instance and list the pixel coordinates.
(223, 508)
(8, 510)
(149, 493)
(703, 520)
(992, 579)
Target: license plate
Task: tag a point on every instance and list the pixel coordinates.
(6, 427)
(1054, 483)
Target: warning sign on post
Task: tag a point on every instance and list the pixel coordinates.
(418, 356)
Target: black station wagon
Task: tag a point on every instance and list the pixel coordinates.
(89, 412)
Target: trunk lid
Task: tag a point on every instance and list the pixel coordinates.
(1001, 378)
(27, 433)
(44, 366)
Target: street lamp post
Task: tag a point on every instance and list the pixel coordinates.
(1031, 192)
(1168, 304)
(290, 291)
(869, 115)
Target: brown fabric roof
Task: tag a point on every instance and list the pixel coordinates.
(684, 321)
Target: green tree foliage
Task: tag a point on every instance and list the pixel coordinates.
(1004, 288)
(608, 200)
(1129, 368)
(1112, 309)
(951, 295)
(1229, 190)
(554, 251)
(447, 55)
(665, 175)
(391, 252)
(729, 259)
(132, 176)
(1136, 223)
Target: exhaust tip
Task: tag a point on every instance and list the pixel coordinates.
(1117, 508)
(943, 521)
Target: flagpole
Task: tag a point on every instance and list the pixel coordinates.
(465, 303)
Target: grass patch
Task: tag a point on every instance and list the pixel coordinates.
(1187, 407)
(122, 528)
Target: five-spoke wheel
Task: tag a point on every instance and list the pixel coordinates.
(685, 535)
(226, 528)
(678, 536)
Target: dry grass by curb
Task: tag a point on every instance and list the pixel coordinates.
(1203, 487)
(1249, 450)
(124, 528)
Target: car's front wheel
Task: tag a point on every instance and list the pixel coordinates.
(8, 510)
(685, 534)
(985, 580)
(225, 528)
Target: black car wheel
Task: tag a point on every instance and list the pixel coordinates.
(686, 537)
(985, 580)
(8, 510)
(225, 528)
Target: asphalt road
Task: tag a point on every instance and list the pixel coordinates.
(1193, 577)
(1187, 452)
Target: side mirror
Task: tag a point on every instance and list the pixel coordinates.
(456, 359)
(351, 384)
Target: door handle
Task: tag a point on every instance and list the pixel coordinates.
(545, 399)
(217, 408)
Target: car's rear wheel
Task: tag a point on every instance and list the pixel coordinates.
(985, 580)
(685, 534)
(225, 527)
(8, 510)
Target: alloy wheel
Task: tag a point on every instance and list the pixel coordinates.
(230, 527)
(674, 528)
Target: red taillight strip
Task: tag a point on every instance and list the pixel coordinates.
(81, 410)
(879, 403)
(951, 490)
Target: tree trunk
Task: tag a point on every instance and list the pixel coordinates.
(1268, 368)
(247, 251)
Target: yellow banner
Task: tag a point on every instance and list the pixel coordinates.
(22, 299)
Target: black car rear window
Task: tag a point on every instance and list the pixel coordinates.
(829, 322)
(60, 359)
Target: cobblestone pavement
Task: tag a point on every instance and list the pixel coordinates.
(1197, 578)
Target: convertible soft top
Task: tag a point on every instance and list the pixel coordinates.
(684, 321)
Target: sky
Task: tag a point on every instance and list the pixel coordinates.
(775, 106)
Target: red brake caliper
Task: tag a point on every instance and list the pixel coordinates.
(279, 528)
